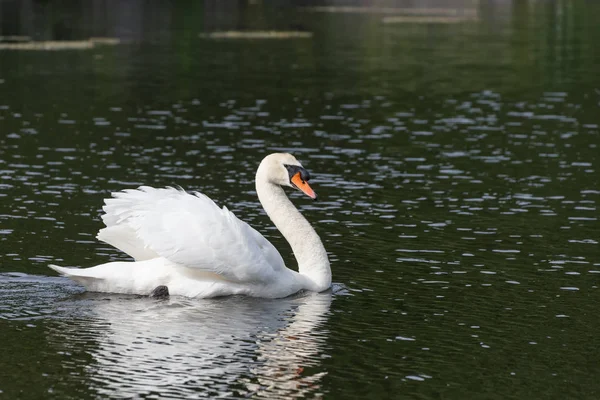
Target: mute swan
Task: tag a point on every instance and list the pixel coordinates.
(186, 242)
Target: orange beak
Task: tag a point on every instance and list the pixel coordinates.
(303, 186)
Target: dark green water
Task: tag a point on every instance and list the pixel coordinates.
(457, 166)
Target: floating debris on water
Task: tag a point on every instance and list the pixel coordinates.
(394, 10)
(49, 45)
(105, 40)
(53, 45)
(257, 35)
(398, 15)
(426, 20)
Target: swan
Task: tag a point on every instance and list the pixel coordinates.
(185, 242)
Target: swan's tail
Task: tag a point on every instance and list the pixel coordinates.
(60, 270)
(78, 275)
(130, 277)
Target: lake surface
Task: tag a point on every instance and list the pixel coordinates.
(457, 166)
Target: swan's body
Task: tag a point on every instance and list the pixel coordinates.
(187, 243)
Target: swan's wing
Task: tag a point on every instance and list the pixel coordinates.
(124, 238)
(190, 230)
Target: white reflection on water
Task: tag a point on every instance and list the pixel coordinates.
(194, 348)
(137, 346)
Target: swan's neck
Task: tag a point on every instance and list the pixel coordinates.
(306, 244)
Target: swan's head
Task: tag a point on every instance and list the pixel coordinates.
(283, 169)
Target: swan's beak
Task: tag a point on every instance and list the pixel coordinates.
(302, 185)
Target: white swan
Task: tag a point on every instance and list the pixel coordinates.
(187, 243)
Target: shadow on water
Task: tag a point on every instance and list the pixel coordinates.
(178, 347)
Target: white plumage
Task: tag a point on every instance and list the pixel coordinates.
(186, 242)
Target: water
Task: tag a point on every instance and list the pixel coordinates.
(457, 170)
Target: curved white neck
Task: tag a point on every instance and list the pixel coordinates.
(306, 244)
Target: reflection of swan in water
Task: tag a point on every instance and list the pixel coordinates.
(189, 348)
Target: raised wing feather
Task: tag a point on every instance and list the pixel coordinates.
(191, 230)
